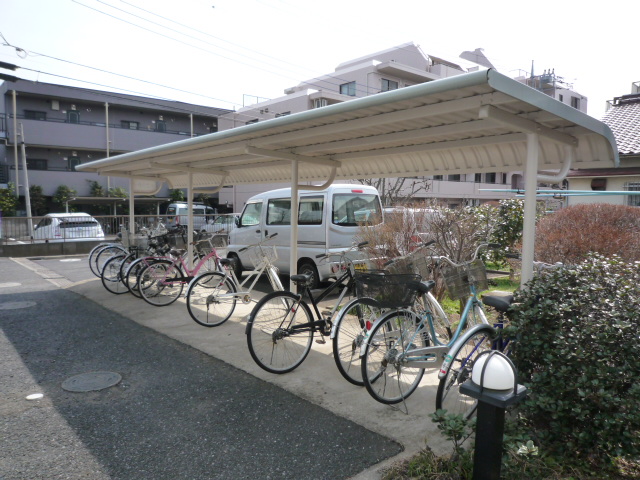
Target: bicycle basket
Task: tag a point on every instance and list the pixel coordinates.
(133, 240)
(389, 290)
(258, 254)
(458, 279)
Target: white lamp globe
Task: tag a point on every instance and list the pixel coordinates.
(499, 374)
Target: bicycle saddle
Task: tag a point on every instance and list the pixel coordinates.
(225, 261)
(500, 303)
(301, 278)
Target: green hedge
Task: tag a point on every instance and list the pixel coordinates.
(578, 351)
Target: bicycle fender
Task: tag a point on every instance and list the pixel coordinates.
(365, 340)
(459, 342)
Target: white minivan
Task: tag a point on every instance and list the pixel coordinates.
(328, 221)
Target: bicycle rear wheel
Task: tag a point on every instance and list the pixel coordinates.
(92, 257)
(161, 283)
(467, 349)
(277, 338)
(211, 299)
(354, 321)
(385, 373)
(105, 254)
(111, 279)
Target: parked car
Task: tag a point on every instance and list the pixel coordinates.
(178, 214)
(222, 224)
(68, 226)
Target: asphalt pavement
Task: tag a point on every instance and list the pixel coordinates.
(191, 404)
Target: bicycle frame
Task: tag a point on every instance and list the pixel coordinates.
(431, 356)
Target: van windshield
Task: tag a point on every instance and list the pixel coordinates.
(351, 209)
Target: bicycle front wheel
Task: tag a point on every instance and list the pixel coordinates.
(105, 254)
(279, 334)
(462, 360)
(354, 321)
(161, 283)
(211, 299)
(111, 279)
(385, 372)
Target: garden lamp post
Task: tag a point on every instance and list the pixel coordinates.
(494, 383)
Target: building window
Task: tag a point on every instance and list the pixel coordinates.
(283, 114)
(161, 126)
(72, 162)
(129, 125)
(255, 120)
(561, 98)
(348, 89)
(437, 177)
(477, 178)
(36, 163)
(35, 115)
(490, 177)
(453, 178)
(599, 184)
(73, 116)
(319, 102)
(389, 85)
(633, 200)
(575, 103)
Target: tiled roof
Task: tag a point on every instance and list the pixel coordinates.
(624, 120)
(605, 172)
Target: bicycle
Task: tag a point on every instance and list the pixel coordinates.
(162, 281)
(114, 273)
(281, 326)
(212, 296)
(458, 364)
(407, 340)
(357, 317)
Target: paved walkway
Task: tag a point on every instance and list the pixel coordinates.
(316, 381)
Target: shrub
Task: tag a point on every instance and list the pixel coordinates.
(570, 234)
(577, 349)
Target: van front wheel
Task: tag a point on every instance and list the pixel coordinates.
(308, 268)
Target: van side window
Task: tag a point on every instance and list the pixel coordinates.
(279, 211)
(251, 214)
(350, 209)
(311, 211)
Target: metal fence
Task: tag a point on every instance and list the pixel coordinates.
(66, 229)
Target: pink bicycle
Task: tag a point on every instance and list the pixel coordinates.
(162, 281)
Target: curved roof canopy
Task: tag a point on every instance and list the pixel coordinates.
(475, 122)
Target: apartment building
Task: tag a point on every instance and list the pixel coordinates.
(63, 126)
(397, 67)
(623, 117)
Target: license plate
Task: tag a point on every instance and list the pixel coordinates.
(360, 267)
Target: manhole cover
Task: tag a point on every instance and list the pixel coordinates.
(89, 382)
(16, 305)
(9, 284)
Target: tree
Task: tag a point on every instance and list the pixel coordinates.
(176, 195)
(63, 195)
(38, 200)
(8, 201)
(95, 189)
(118, 192)
(398, 191)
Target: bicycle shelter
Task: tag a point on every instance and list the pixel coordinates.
(471, 123)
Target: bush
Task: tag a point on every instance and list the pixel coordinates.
(577, 350)
(570, 234)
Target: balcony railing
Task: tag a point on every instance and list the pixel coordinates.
(4, 118)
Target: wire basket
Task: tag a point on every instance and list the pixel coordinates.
(401, 265)
(258, 255)
(389, 290)
(458, 279)
(132, 240)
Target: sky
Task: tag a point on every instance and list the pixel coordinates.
(230, 53)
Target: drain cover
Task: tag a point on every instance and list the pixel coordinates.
(89, 382)
(15, 305)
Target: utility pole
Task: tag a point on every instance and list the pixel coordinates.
(15, 142)
(27, 194)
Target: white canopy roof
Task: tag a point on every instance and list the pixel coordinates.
(476, 122)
